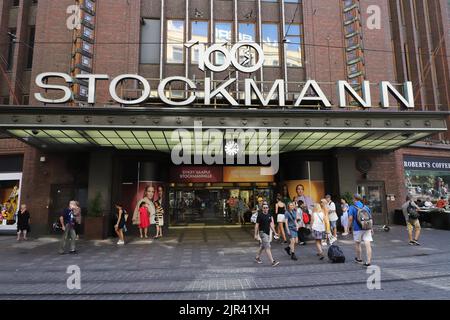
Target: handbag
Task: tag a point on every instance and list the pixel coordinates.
(254, 217)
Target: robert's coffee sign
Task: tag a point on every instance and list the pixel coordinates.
(421, 163)
(212, 90)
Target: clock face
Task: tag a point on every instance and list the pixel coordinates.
(231, 148)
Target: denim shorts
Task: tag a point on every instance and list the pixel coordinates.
(294, 233)
(333, 224)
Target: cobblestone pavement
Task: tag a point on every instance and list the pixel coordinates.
(218, 263)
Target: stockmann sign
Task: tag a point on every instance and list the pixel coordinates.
(230, 58)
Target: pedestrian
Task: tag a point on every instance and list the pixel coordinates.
(332, 215)
(285, 197)
(144, 219)
(303, 222)
(344, 217)
(360, 233)
(280, 209)
(318, 228)
(263, 228)
(241, 210)
(67, 219)
(159, 220)
(325, 210)
(411, 215)
(120, 223)
(442, 203)
(23, 222)
(428, 204)
(300, 189)
(291, 227)
(77, 212)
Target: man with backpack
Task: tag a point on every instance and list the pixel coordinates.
(360, 218)
(411, 215)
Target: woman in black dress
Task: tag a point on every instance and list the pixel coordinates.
(23, 222)
(120, 224)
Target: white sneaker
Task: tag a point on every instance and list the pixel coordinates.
(120, 242)
(345, 234)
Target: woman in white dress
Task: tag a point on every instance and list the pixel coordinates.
(344, 217)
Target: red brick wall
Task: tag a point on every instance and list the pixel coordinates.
(38, 178)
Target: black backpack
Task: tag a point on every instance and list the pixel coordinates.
(335, 254)
(412, 212)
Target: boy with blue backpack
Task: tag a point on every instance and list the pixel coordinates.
(360, 218)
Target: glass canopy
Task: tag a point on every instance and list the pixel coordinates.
(166, 140)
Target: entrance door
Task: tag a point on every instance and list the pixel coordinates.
(60, 195)
(212, 205)
(375, 197)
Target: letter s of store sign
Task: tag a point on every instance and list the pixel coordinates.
(230, 56)
(40, 82)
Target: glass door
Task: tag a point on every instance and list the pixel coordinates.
(374, 196)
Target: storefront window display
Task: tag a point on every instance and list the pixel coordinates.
(307, 183)
(427, 177)
(10, 198)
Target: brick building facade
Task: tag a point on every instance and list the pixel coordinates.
(335, 43)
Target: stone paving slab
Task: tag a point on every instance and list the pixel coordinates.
(178, 267)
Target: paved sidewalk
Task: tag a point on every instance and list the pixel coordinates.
(217, 263)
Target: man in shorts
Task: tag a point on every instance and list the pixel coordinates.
(360, 235)
(264, 225)
(411, 224)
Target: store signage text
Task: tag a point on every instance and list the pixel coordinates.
(211, 90)
(416, 163)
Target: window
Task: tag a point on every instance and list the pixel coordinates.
(15, 3)
(427, 177)
(270, 43)
(222, 35)
(30, 47)
(89, 5)
(87, 62)
(175, 41)
(247, 34)
(11, 48)
(88, 18)
(150, 41)
(89, 33)
(4, 100)
(293, 45)
(199, 32)
(86, 46)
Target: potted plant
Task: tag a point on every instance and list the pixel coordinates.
(94, 227)
(348, 197)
